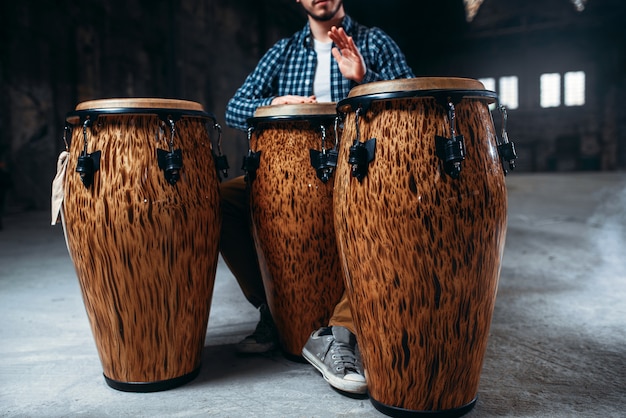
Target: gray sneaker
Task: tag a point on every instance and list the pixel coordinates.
(332, 351)
(264, 338)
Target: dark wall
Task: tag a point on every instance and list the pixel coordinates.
(56, 54)
(545, 37)
(527, 38)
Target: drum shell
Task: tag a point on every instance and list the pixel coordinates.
(421, 252)
(293, 228)
(145, 251)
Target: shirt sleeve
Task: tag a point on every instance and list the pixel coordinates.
(383, 57)
(257, 90)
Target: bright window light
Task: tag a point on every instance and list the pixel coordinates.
(508, 92)
(489, 83)
(550, 85)
(574, 88)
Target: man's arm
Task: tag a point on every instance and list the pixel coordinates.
(257, 90)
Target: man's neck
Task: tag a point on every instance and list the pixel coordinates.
(320, 29)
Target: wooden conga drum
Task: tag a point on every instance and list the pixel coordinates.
(421, 237)
(141, 217)
(292, 220)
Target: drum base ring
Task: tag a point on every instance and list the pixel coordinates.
(394, 411)
(145, 387)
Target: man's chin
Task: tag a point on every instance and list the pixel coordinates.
(325, 14)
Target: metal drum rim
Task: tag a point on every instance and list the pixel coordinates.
(176, 108)
(294, 112)
(440, 88)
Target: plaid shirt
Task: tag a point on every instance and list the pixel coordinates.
(289, 68)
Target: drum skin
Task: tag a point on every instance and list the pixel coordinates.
(421, 251)
(293, 225)
(145, 251)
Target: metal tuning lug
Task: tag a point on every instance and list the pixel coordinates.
(333, 156)
(451, 150)
(506, 148)
(324, 161)
(171, 162)
(361, 153)
(87, 164)
(319, 159)
(251, 161)
(221, 162)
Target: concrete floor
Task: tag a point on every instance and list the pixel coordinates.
(557, 346)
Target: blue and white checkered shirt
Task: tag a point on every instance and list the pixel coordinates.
(289, 68)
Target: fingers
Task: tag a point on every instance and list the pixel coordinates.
(352, 45)
(344, 45)
(341, 38)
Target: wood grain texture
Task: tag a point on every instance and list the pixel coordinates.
(145, 251)
(421, 251)
(294, 230)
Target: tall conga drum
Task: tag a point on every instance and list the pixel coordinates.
(141, 217)
(292, 218)
(420, 214)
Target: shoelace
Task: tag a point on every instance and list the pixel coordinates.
(343, 357)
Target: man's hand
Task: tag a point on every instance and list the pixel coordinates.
(350, 60)
(291, 99)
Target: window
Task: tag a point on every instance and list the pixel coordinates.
(489, 83)
(508, 92)
(550, 90)
(568, 89)
(574, 88)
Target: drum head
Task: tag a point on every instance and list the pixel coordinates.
(140, 103)
(416, 84)
(295, 112)
(440, 88)
(165, 108)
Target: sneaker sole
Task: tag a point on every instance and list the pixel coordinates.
(339, 384)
